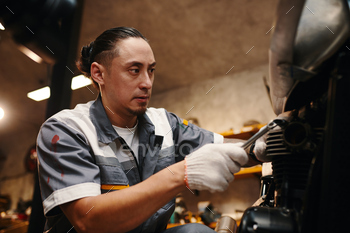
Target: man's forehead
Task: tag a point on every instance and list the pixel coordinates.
(134, 46)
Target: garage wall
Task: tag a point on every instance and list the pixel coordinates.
(222, 103)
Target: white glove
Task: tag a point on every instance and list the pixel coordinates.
(260, 148)
(260, 144)
(211, 167)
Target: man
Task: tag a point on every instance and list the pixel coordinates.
(117, 143)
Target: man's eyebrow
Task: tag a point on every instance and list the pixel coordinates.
(136, 63)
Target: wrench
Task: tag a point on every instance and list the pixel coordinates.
(272, 124)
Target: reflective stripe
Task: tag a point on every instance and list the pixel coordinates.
(113, 187)
(185, 122)
(162, 126)
(70, 193)
(218, 138)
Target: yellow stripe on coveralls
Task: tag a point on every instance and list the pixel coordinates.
(113, 187)
(185, 122)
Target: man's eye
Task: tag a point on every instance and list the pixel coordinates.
(152, 70)
(135, 71)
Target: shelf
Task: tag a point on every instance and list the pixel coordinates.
(211, 225)
(249, 171)
(244, 133)
(170, 225)
(17, 226)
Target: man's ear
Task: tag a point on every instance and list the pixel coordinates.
(97, 72)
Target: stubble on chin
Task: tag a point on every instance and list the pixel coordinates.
(139, 111)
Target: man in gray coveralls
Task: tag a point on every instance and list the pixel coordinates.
(114, 165)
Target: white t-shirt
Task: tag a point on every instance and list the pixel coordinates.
(131, 137)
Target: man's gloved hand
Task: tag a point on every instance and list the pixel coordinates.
(212, 166)
(260, 144)
(260, 148)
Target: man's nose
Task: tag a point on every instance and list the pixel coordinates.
(146, 81)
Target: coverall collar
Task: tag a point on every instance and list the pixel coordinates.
(104, 129)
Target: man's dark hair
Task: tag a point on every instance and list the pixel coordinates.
(104, 48)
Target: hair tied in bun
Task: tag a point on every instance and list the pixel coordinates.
(91, 47)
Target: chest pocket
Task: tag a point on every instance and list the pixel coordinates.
(112, 174)
(165, 159)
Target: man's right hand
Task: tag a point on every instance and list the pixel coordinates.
(260, 144)
(212, 166)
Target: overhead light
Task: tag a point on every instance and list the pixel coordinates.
(80, 81)
(44, 93)
(40, 94)
(2, 27)
(35, 57)
(2, 113)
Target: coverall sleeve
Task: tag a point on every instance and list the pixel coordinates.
(189, 137)
(67, 170)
